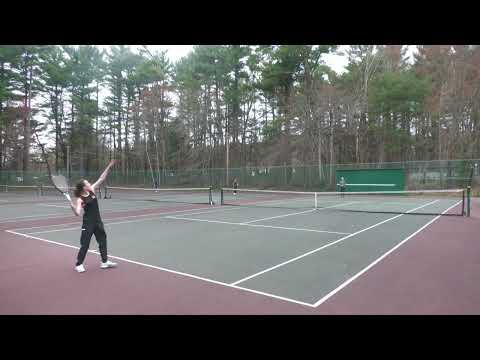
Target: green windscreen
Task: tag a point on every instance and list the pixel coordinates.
(372, 179)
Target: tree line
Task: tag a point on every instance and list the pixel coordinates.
(268, 105)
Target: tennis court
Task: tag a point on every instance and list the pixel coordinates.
(300, 250)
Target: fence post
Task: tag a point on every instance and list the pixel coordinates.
(468, 200)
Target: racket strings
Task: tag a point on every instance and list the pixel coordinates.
(60, 182)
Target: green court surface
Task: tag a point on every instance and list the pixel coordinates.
(297, 255)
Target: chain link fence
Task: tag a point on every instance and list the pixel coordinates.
(436, 174)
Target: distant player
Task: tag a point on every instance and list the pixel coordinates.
(235, 186)
(342, 184)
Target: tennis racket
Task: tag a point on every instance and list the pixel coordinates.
(59, 181)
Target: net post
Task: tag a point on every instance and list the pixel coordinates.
(210, 198)
(468, 200)
(221, 196)
(316, 200)
(40, 190)
(6, 188)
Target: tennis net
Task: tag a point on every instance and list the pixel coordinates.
(426, 202)
(51, 191)
(175, 195)
(20, 190)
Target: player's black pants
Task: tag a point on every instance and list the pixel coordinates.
(89, 229)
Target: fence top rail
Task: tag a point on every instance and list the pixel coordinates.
(253, 167)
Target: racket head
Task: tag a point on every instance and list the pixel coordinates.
(60, 182)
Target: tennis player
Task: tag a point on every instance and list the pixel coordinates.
(343, 185)
(92, 222)
(235, 186)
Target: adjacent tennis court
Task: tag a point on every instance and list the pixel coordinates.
(296, 248)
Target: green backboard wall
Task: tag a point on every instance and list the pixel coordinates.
(373, 179)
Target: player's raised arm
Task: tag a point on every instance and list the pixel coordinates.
(103, 177)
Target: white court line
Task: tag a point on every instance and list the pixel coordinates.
(326, 246)
(106, 225)
(256, 225)
(105, 208)
(170, 271)
(192, 219)
(29, 216)
(296, 229)
(102, 207)
(64, 215)
(364, 270)
(46, 226)
(110, 209)
(222, 209)
(279, 216)
(60, 206)
(160, 214)
(298, 213)
(152, 217)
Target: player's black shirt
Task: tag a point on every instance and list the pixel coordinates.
(91, 212)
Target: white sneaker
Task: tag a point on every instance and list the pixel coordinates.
(80, 268)
(108, 264)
